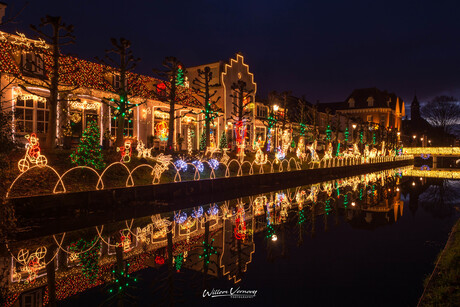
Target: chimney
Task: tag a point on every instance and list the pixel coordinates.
(2, 10)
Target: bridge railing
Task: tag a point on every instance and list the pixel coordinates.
(432, 150)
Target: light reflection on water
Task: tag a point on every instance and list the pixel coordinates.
(356, 241)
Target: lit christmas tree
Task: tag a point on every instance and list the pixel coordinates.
(88, 151)
(203, 141)
(223, 141)
(180, 76)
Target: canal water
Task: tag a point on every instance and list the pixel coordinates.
(367, 240)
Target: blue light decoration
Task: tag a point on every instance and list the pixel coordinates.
(280, 197)
(213, 210)
(214, 164)
(425, 168)
(198, 165)
(425, 156)
(180, 217)
(280, 154)
(197, 213)
(181, 165)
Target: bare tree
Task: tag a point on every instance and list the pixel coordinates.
(442, 111)
(58, 66)
(173, 72)
(240, 112)
(119, 68)
(210, 108)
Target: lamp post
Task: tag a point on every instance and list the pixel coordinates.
(275, 140)
(415, 141)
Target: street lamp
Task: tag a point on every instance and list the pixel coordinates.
(275, 139)
(275, 108)
(353, 133)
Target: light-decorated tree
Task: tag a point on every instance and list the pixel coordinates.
(50, 69)
(203, 141)
(210, 109)
(173, 92)
(89, 152)
(118, 67)
(223, 141)
(241, 114)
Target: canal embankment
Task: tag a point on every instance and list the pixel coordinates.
(56, 213)
(442, 287)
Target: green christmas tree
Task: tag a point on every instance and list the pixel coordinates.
(203, 141)
(223, 141)
(88, 151)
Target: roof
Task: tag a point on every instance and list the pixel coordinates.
(79, 72)
(381, 99)
(333, 106)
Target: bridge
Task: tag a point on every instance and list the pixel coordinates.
(434, 151)
(434, 173)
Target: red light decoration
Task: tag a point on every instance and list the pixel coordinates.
(160, 260)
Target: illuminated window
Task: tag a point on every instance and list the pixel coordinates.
(31, 115)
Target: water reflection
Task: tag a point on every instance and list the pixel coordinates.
(189, 248)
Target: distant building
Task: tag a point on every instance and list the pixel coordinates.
(418, 132)
(375, 106)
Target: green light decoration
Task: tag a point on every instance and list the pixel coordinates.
(270, 231)
(89, 151)
(328, 133)
(178, 261)
(303, 129)
(327, 208)
(89, 259)
(361, 194)
(346, 134)
(374, 139)
(208, 251)
(302, 218)
(345, 200)
(293, 144)
(223, 141)
(180, 78)
(338, 150)
(203, 141)
(361, 136)
(122, 281)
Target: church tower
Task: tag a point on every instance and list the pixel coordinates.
(415, 109)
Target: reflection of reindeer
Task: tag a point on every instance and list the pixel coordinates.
(33, 154)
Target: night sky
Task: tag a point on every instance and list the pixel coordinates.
(320, 49)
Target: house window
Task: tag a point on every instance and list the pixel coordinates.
(31, 115)
(383, 120)
(351, 103)
(370, 101)
(262, 111)
(129, 125)
(32, 63)
(370, 118)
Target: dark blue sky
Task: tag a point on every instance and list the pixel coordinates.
(323, 49)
